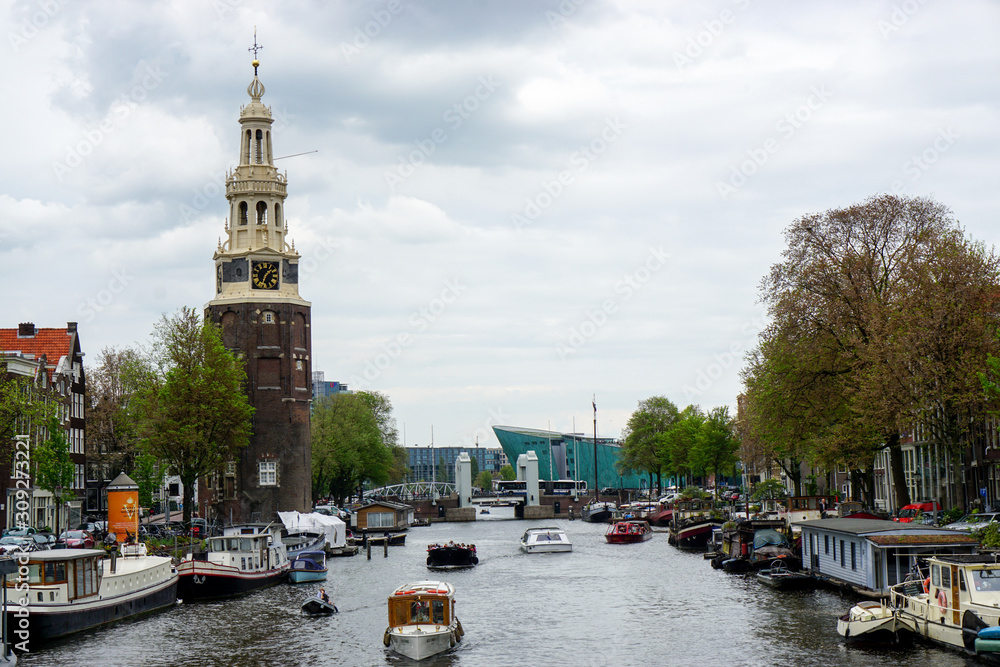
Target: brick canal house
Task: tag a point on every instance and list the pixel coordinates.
(263, 319)
(52, 360)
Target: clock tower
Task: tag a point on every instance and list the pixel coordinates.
(263, 319)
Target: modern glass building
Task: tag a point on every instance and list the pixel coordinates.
(438, 463)
(568, 456)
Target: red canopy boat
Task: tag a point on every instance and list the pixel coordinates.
(626, 532)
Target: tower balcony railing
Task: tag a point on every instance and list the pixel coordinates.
(255, 185)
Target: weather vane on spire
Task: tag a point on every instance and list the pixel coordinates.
(254, 49)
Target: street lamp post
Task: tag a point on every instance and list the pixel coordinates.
(58, 491)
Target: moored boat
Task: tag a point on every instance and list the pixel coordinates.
(240, 562)
(628, 532)
(597, 512)
(308, 566)
(869, 622)
(422, 620)
(451, 556)
(545, 540)
(69, 590)
(777, 575)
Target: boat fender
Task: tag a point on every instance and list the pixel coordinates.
(942, 599)
(927, 584)
(452, 640)
(385, 637)
(459, 629)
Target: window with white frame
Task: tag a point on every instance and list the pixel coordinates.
(381, 519)
(267, 472)
(231, 468)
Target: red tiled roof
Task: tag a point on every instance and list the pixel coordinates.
(53, 343)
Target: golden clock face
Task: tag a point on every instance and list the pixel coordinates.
(264, 275)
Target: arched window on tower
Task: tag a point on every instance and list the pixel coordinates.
(243, 213)
(258, 148)
(267, 145)
(277, 215)
(246, 147)
(261, 213)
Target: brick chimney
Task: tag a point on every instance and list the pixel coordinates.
(71, 327)
(26, 330)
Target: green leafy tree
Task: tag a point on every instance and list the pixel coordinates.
(191, 411)
(349, 447)
(54, 465)
(507, 473)
(716, 444)
(441, 470)
(146, 473)
(484, 481)
(769, 489)
(23, 408)
(677, 444)
(112, 441)
(474, 465)
(643, 435)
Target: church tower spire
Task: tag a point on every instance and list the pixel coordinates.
(263, 317)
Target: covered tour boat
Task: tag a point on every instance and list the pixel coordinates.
(422, 620)
(545, 540)
(627, 532)
(451, 556)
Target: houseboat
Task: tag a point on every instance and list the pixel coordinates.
(422, 620)
(241, 561)
(383, 518)
(956, 605)
(545, 540)
(691, 523)
(869, 556)
(805, 508)
(69, 590)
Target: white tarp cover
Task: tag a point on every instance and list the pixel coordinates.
(334, 529)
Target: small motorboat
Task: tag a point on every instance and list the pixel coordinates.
(317, 606)
(545, 540)
(869, 622)
(308, 566)
(451, 556)
(422, 620)
(779, 576)
(628, 532)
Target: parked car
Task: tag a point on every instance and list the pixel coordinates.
(974, 521)
(75, 539)
(44, 540)
(95, 528)
(10, 544)
(20, 532)
(916, 512)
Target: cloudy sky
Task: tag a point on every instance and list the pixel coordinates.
(512, 206)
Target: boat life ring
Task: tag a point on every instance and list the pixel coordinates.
(942, 599)
(927, 584)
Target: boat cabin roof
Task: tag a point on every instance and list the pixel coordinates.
(65, 554)
(967, 559)
(546, 529)
(314, 555)
(424, 588)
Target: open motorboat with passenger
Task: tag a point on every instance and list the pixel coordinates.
(628, 532)
(319, 605)
(451, 556)
(422, 620)
(545, 540)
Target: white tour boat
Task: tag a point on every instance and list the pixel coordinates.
(422, 620)
(545, 540)
(69, 590)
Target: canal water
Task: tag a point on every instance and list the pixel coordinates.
(602, 604)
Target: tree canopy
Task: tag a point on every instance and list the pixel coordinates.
(190, 408)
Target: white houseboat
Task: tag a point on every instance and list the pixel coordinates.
(241, 561)
(422, 620)
(69, 590)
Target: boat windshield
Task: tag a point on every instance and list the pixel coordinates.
(986, 583)
(404, 612)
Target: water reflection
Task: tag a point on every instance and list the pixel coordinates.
(602, 604)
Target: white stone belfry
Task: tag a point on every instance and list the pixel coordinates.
(527, 471)
(463, 479)
(256, 258)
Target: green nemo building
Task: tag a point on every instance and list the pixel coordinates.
(568, 456)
